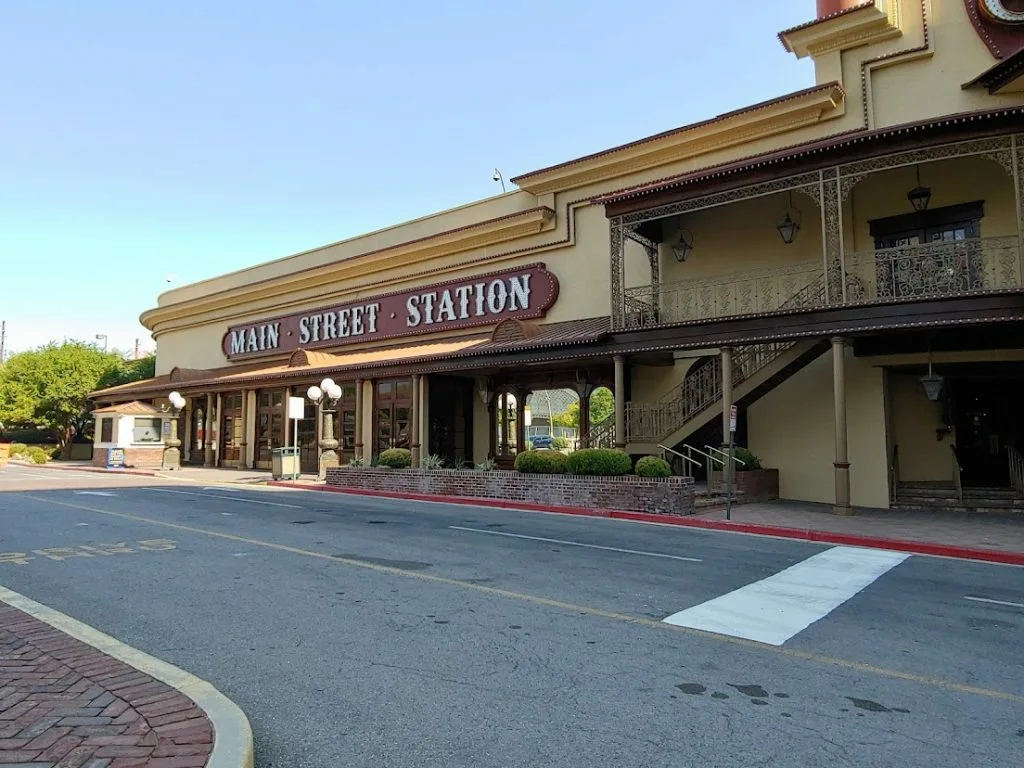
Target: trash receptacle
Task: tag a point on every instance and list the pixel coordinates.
(284, 463)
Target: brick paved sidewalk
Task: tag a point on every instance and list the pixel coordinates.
(63, 704)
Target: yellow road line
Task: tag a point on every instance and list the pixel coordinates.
(857, 666)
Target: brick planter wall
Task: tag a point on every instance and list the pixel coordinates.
(756, 485)
(660, 496)
(135, 458)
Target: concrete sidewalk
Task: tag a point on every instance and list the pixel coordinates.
(937, 526)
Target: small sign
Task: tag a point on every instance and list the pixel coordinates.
(115, 458)
(296, 408)
(167, 429)
(732, 418)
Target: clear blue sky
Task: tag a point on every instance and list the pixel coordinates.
(193, 138)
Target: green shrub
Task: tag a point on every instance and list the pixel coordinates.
(653, 466)
(432, 461)
(750, 461)
(395, 458)
(356, 462)
(560, 442)
(18, 449)
(36, 455)
(599, 461)
(542, 462)
(487, 465)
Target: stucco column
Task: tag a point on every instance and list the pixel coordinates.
(842, 463)
(620, 401)
(359, 419)
(208, 432)
(414, 422)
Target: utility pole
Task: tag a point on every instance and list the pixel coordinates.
(3, 340)
(135, 354)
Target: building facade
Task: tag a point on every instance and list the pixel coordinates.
(841, 264)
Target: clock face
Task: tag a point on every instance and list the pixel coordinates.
(1009, 12)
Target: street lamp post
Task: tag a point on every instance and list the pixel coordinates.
(326, 397)
(172, 445)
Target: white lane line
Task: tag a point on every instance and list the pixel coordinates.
(993, 602)
(577, 544)
(229, 498)
(95, 493)
(776, 608)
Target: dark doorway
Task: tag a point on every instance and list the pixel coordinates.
(988, 416)
(451, 420)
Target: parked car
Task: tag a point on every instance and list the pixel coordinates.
(542, 441)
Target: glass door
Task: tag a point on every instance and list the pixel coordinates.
(392, 415)
(197, 444)
(269, 425)
(231, 428)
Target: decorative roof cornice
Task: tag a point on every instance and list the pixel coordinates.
(472, 236)
(870, 22)
(779, 115)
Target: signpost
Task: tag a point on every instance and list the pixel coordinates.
(730, 466)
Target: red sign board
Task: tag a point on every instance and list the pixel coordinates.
(524, 293)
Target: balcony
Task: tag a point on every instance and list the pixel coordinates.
(907, 273)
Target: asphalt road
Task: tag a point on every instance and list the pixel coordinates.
(367, 632)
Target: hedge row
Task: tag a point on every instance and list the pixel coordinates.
(604, 462)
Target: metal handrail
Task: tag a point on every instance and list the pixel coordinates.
(726, 454)
(957, 472)
(682, 456)
(1016, 469)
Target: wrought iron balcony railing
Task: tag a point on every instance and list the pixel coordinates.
(906, 273)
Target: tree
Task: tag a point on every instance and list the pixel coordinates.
(602, 406)
(49, 387)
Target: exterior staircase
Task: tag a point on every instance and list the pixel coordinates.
(696, 401)
(943, 496)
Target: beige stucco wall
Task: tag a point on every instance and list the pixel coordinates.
(908, 92)
(649, 383)
(914, 419)
(960, 180)
(792, 429)
(734, 239)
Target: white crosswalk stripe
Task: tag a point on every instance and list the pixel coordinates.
(781, 606)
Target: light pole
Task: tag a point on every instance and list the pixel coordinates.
(172, 449)
(326, 397)
(104, 337)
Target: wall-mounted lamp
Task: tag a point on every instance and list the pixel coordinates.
(684, 246)
(919, 196)
(790, 225)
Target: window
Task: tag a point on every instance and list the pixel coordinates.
(146, 430)
(107, 430)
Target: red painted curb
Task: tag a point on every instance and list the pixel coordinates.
(759, 529)
(98, 470)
